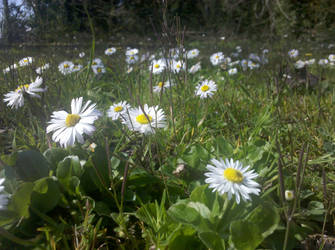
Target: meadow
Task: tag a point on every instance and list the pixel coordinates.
(212, 143)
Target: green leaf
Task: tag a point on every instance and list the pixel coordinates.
(20, 201)
(223, 148)
(245, 235)
(197, 157)
(68, 167)
(212, 240)
(45, 194)
(31, 165)
(54, 156)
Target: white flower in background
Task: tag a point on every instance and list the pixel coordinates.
(244, 64)
(226, 60)
(205, 88)
(129, 69)
(331, 58)
(192, 53)
(175, 52)
(285, 76)
(11, 67)
(323, 62)
(99, 69)
(232, 71)
(157, 66)
(222, 38)
(65, 67)
(265, 51)
(293, 53)
(254, 57)
(238, 49)
(289, 195)
(77, 67)
(96, 62)
(118, 110)
(3, 197)
(216, 58)
(195, 68)
(252, 65)
(310, 61)
(110, 51)
(41, 69)
(81, 54)
(161, 86)
(26, 61)
(227, 176)
(15, 98)
(145, 122)
(299, 64)
(234, 63)
(69, 128)
(131, 52)
(177, 66)
(132, 59)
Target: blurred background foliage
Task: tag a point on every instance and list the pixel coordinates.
(52, 20)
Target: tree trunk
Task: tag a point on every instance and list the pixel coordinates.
(5, 32)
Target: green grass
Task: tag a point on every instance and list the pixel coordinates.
(126, 193)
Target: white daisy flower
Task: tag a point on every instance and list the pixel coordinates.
(299, 64)
(118, 110)
(96, 61)
(26, 61)
(131, 52)
(145, 122)
(41, 69)
(65, 67)
(15, 98)
(132, 59)
(174, 53)
(157, 66)
(254, 57)
(310, 61)
(289, 195)
(11, 67)
(177, 66)
(161, 86)
(69, 128)
(232, 71)
(99, 69)
(216, 58)
(293, 53)
(331, 58)
(77, 67)
(195, 68)
(192, 53)
(110, 51)
(323, 62)
(244, 64)
(206, 88)
(227, 176)
(222, 38)
(81, 54)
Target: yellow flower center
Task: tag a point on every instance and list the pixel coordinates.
(217, 57)
(71, 120)
(143, 119)
(193, 52)
(23, 86)
(66, 66)
(132, 58)
(99, 70)
(233, 175)
(178, 66)
(94, 63)
(308, 54)
(118, 108)
(156, 66)
(204, 88)
(25, 60)
(160, 84)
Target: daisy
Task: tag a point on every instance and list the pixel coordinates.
(254, 57)
(299, 64)
(161, 86)
(293, 53)
(205, 88)
(81, 54)
(331, 58)
(227, 176)
(244, 64)
(145, 122)
(132, 59)
(238, 49)
(177, 66)
(99, 69)
(157, 66)
(310, 61)
(192, 53)
(15, 98)
(118, 110)
(323, 62)
(195, 68)
(69, 128)
(289, 195)
(110, 51)
(216, 58)
(40, 70)
(96, 61)
(131, 52)
(77, 67)
(25, 61)
(65, 67)
(232, 71)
